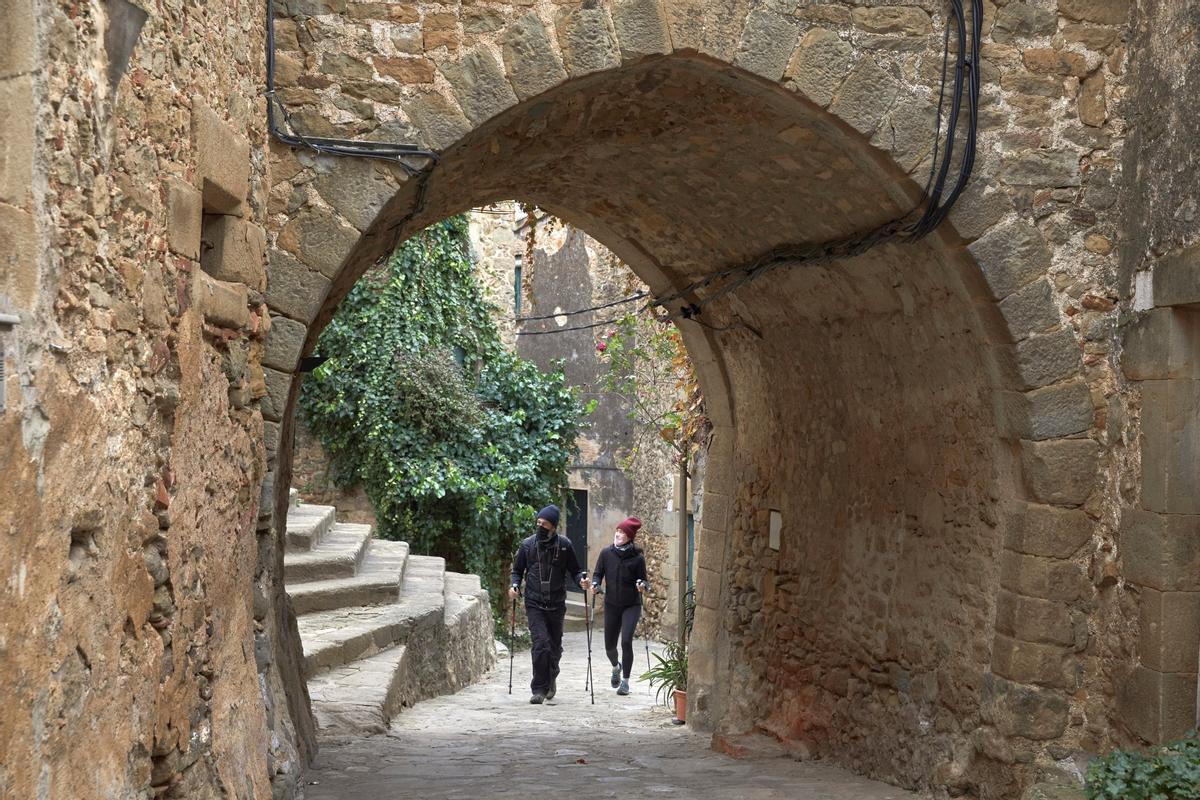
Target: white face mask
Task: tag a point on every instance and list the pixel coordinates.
(620, 539)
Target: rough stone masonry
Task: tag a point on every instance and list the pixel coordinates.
(982, 447)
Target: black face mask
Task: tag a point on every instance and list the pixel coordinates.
(544, 535)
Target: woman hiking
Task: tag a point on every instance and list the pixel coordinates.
(622, 567)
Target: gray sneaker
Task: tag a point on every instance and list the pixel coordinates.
(624, 688)
(616, 676)
(537, 698)
(553, 690)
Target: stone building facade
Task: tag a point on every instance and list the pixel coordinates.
(981, 446)
(623, 468)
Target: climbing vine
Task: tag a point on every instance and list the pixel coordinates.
(455, 440)
(1170, 772)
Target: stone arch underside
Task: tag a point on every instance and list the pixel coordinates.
(915, 414)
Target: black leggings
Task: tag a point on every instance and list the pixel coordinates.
(623, 621)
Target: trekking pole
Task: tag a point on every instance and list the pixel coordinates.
(645, 640)
(590, 615)
(512, 638)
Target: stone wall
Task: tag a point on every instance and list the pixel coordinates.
(312, 478)
(143, 633)
(1159, 250)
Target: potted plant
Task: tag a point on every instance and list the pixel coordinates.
(669, 675)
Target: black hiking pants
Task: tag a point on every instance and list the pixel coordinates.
(546, 631)
(623, 621)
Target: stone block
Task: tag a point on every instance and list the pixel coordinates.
(16, 139)
(314, 8)
(293, 289)
(529, 59)
(1023, 19)
(1060, 410)
(1040, 530)
(1060, 472)
(357, 189)
(220, 303)
(767, 43)
(1049, 357)
(234, 250)
(1169, 637)
(1158, 706)
(708, 589)
(587, 41)
(1161, 551)
(641, 28)
(18, 42)
(440, 122)
(1092, 105)
(1030, 619)
(285, 342)
(867, 93)
(319, 239)
(1044, 578)
(271, 432)
(275, 403)
(1036, 664)
(713, 29)
(1027, 711)
(222, 161)
(906, 132)
(1177, 278)
(1170, 443)
(1163, 343)
(185, 214)
(1030, 310)
(407, 70)
(479, 85)
(19, 256)
(981, 205)
(897, 20)
(819, 65)
(440, 29)
(1010, 256)
(400, 13)
(1106, 12)
(1052, 168)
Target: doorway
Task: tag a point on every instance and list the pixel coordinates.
(577, 528)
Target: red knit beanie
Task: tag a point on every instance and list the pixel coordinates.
(630, 527)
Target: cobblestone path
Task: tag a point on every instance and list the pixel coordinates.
(483, 744)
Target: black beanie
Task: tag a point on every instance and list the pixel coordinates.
(550, 514)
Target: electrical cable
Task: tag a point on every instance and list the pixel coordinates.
(630, 299)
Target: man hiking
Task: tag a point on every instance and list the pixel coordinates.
(544, 562)
(622, 567)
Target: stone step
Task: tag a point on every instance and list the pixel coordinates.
(306, 524)
(337, 555)
(377, 581)
(360, 698)
(332, 639)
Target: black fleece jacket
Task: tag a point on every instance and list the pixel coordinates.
(623, 569)
(544, 567)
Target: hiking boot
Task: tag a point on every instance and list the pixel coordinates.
(537, 698)
(552, 690)
(624, 688)
(616, 676)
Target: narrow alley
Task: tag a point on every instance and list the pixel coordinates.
(483, 743)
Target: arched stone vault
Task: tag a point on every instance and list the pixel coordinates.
(885, 405)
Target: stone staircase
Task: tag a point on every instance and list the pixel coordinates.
(381, 628)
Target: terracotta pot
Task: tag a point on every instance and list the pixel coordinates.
(681, 705)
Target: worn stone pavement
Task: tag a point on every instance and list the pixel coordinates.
(483, 744)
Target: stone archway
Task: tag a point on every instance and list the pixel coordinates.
(938, 482)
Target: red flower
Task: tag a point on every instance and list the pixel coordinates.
(601, 346)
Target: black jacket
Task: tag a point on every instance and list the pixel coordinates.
(544, 568)
(623, 569)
